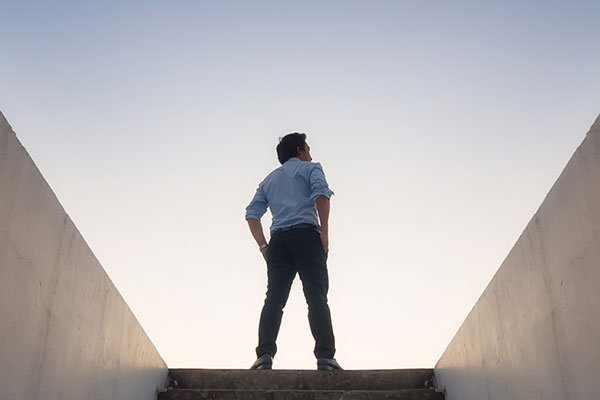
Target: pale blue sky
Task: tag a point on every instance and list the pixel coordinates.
(440, 125)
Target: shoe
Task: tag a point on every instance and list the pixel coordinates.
(263, 362)
(328, 364)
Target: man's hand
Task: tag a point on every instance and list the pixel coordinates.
(264, 253)
(325, 240)
(257, 233)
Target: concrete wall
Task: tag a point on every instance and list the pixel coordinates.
(65, 331)
(535, 331)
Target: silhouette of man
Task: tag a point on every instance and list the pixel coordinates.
(296, 193)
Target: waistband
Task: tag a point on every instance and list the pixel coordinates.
(297, 226)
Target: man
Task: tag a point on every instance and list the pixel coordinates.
(295, 193)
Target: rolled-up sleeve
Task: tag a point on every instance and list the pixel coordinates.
(258, 206)
(318, 183)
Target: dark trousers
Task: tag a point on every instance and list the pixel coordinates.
(297, 250)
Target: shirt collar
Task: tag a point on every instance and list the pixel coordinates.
(292, 159)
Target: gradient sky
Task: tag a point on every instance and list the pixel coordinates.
(441, 126)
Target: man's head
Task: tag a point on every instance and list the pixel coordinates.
(293, 145)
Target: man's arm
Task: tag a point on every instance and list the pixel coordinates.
(323, 206)
(257, 232)
(321, 194)
(255, 210)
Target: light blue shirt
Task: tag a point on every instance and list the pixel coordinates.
(290, 192)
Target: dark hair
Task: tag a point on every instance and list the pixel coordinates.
(288, 146)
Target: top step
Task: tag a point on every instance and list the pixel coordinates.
(388, 379)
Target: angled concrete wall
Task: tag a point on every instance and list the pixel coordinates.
(65, 331)
(535, 331)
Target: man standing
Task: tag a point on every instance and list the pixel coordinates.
(295, 193)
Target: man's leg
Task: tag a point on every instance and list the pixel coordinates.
(281, 273)
(311, 262)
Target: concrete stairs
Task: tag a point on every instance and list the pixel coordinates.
(214, 384)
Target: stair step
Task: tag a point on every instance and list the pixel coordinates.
(228, 394)
(386, 380)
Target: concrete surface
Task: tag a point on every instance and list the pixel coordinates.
(391, 379)
(65, 331)
(213, 394)
(407, 384)
(534, 333)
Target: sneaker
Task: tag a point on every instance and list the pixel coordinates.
(328, 364)
(263, 362)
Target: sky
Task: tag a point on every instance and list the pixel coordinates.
(440, 125)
